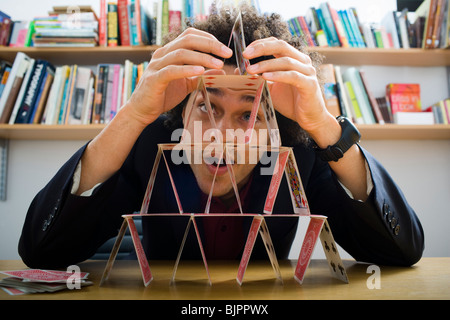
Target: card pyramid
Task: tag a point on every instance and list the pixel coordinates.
(285, 164)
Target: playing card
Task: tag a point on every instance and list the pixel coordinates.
(239, 45)
(151, 183)
(197, 233)
(264, 232)
(38, 275)
(275, 181)
(177, 261)
(253, 114)
(269, 113)
(249, 244)
(114, 251)
(233, 178)
(142, 258)
(299, 201)
(309, 242)
(337, 268)
(174, 188)
(233, 81)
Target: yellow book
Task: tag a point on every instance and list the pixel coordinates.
(356, 111)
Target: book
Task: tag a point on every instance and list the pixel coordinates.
(124, 30)
(23, 88)
(404, 97)
(113, 25)
(356, 111)
(12, 86)
(385, 109)
(373, 102)
(330, 90)
(51, 110)
(25, 110)
(103, 25)
(42, 97)
(352, 74)
(344, 99)
(414, 118)
(329, 25)
(98, 112)
(80, 96)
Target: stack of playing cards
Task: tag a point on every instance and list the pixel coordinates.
(38, 281)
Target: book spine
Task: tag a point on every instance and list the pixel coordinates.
(113, 30)
(373, 102)
(165, 18)
(25, 110)
(44, 96)
(137, 17)
(98, 95)
(429, 24)
(339, 27)
(102, 28)
(330, 25)
(124, 31)
(355, 106)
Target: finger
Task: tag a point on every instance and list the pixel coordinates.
(187, 57)
(174, 72)
(282, 64)
(293, 78)
(197, 40)
(274, 47)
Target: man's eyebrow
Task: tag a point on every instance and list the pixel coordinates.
(217, 92)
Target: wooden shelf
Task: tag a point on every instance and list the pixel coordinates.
(386, 57)
(82, 56)
(87, 132)
(344, 56)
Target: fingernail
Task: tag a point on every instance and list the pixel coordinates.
(249, 51)
(217, 62)
(227, 51)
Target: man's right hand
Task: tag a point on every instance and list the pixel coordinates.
(172, 73)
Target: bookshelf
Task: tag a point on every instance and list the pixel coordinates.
(87, 132)
(341, 56)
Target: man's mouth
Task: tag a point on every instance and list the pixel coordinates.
(216, 164)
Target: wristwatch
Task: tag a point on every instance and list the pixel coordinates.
(350, 135)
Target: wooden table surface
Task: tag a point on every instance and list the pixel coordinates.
(428, 279)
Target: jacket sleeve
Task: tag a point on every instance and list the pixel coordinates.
(61, 229)
(383, 230)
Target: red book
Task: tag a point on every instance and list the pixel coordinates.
(102, 41)
(124, 30)
(404, 97)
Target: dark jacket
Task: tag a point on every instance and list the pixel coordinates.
(63, 229)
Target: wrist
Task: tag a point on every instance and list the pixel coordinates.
(327, 132)
(349, 136)
(132, 119)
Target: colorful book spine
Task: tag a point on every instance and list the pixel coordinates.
(113, 28)
(122, 15)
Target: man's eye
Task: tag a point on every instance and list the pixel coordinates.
(246, 116)
(204, 109)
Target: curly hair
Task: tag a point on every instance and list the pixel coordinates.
(220, 24)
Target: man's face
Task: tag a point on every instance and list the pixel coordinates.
(231, 109)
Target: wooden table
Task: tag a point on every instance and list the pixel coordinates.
(428, 279)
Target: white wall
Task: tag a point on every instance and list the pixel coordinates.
(421, 168)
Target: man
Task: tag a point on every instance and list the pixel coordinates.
(81, 207)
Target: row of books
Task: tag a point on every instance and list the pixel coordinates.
(325, 26)
(347, 93)
(34, 91)
(120, 22)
